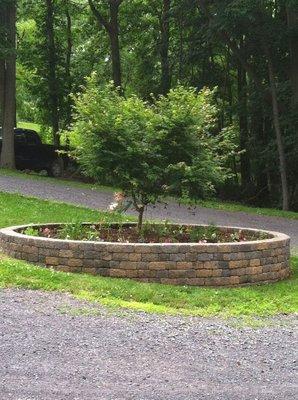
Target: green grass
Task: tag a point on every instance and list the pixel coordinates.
(29, 125)
(214, 204)
(18, 210)
(231, 206)
(262, 300)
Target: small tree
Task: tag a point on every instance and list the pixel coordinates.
(147, 150)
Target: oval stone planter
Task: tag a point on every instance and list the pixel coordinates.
(196, 264)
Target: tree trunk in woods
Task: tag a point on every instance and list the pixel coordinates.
(112, 28)
(278, 133)
(68, 64)
(2, 62)
(8, 80)
(52, 78)
(114, 42)
(164, 48)
(2, 84)
(292, 19)
(243, 125)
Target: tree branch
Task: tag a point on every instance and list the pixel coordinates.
(99, 17)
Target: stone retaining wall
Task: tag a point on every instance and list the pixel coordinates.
(177, 264)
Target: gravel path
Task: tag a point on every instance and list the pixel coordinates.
(101, 199)
(54, 347)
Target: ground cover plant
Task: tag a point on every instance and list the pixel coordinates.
(150, 233)
(263, 300)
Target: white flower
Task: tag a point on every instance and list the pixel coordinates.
(113, 206)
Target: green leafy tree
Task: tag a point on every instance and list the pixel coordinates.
(148, 150)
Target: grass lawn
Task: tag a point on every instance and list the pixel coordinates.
(215, 204)
(29, 125)
(263, 300)
(18, 210)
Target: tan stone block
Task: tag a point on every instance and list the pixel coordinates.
(254, 263)
(66, 253)
(91, 271)
(148, 257)
(215, 272)
(106, 256)
(168, 281)
(118, 273)
(135, 257)
(223, 281)
(128, 265)
(146, 273)
(234, 280)
(176, 273)
(224, 248)
(235, 264)
(204, 273)
(261, 246)
(211, 264)
(52, 260)
(184, 265)
(195, 281)
(75, 262)
(30, 249)
(120, 256)
(162, 265)
(131, 273)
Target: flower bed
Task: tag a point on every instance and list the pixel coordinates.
(261, 257)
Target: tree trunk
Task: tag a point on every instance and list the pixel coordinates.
(7, 152)
(2, 63)
(292, 18)
(2, 92)
(245, 169)
(68, 65)
(278, 133)
(112, 28)
(114, 43)
(52, 78)
(140, 217)
(164, 49)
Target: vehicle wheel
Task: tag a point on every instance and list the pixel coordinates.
(56, 169)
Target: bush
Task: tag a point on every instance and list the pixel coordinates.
(148, 150)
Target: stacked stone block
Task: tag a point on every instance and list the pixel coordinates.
(192, 264)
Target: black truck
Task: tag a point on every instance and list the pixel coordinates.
(32, 154)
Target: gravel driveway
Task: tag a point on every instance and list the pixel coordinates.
(101, 199)
(54, 347)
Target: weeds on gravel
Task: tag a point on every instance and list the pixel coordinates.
(263, 300)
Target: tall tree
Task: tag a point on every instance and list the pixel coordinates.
(164, 47)
(52, 74)
(8, 80)
(292, 19)
(111, 25)
(2, 59)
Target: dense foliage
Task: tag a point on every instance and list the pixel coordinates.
(247, 49)
(149, 150)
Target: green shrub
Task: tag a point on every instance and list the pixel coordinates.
(149, 150)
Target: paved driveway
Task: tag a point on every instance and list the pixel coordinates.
(101, 199)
